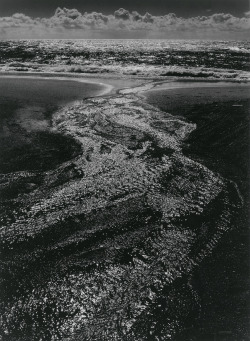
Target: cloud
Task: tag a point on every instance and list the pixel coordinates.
(69, 13)
(247, 14)
(17, 20)
(72, 19)
(122, 14)
(70, 23)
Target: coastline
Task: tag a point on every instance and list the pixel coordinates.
(107, 87)
(174, 85)
(108, 150)
(123, 81)
(113, 83)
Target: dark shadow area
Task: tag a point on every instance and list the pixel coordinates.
(221, 143)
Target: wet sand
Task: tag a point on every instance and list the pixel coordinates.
(221, 113)
(221, 142)
(116, 233)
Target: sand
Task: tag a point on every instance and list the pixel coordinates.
(221, 142)
(120, 232)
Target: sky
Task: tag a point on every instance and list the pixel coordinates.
(198, 19)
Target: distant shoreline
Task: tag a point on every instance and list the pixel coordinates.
(116, 82)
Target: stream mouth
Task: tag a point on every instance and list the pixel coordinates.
(28, 141)
(115, 234)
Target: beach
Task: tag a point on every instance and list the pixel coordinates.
(129, 217)
(221, 142)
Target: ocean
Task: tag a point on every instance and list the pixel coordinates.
(156, 58)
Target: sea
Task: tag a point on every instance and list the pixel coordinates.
(202, 59)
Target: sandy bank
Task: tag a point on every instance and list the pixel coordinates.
(111, 83)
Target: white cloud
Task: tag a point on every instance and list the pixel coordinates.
(70, 23)
(122, 14)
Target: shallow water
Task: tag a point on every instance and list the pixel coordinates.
(46, 91)
(26, 107)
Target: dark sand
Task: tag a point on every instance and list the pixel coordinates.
(27, 105)
(50, 253)
(221, 142)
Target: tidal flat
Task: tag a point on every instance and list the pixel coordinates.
(112, 240)
(221, 142)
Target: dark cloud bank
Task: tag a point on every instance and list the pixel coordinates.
(70, 23)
